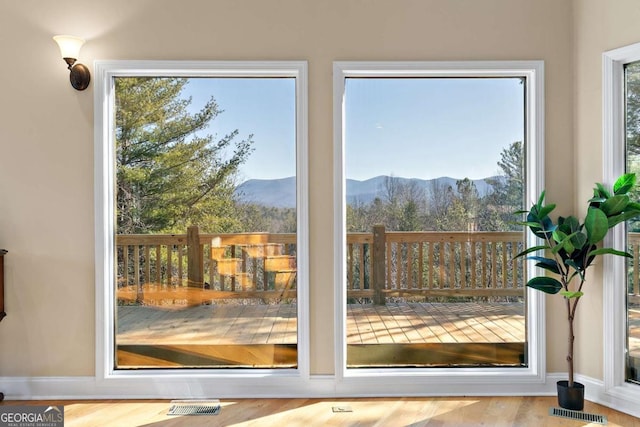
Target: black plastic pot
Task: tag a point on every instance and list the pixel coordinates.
(571, 397)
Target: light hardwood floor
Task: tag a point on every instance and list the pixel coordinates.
(383, 412)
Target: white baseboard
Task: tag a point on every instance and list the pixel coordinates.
(174, 386)
(171, 387)
(318, 386)
(596, 392)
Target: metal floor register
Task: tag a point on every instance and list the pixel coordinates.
(194, 407)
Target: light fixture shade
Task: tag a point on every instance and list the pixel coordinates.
(69, 46)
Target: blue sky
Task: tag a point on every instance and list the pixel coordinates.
(415, 128)
(264, 107)
(430, 127)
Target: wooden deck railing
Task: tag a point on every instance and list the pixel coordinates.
(397, 264)
(242, 265)
(379, 265)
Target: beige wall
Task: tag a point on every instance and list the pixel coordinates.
(599, 26)
(46, 128)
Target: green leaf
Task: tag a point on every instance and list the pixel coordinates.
(559, 236)
(596, 199)
(615, 204)
(579, 240)
(624, 183)
(573, 264)
(540, 199)
(546, 263)
(545, 210)
(568, 246)
(548, 285)
(570, 223)
(624, 216)
(564, 241)
(610, 251)
(596, 224)
(581, 258)
(579, 270)
(545, 224)
(601, 191)
(531, 249)
(570, 294)
(530, 224)
(556, 249)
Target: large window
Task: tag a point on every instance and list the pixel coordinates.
(632, 138)
(621, 73)
(205, 216)
(436, 159)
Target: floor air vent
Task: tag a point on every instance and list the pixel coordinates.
(578, 415)
(194, 407)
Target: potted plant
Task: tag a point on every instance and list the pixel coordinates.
(570, 247)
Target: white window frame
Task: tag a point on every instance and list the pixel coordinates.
(617, 392)
(442, 381)
(190, 382)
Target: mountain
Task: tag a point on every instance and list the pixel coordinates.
(281, 192)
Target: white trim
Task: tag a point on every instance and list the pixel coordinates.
(192, 386)
(617, 391)
(318, 386)
(204, 379)
(339, 221)
(458, 380)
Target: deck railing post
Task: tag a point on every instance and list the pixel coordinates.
(378, 264)
(195, 257)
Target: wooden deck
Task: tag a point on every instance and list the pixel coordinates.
(259, 334)
(405, 323)
(215, 324)
(400, 323)
(265, 335)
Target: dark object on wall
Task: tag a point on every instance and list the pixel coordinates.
(2, 313)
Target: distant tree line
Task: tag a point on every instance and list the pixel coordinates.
(408, 207)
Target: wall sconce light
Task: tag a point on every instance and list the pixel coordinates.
(70, 49)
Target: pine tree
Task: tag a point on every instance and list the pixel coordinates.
(508, 191)
(169, 175)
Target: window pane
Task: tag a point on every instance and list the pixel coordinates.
(435, 170)
(632, 130)
(206, 250)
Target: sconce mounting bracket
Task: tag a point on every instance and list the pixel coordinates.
(80, 76)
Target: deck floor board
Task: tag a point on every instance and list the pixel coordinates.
(396, 322)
